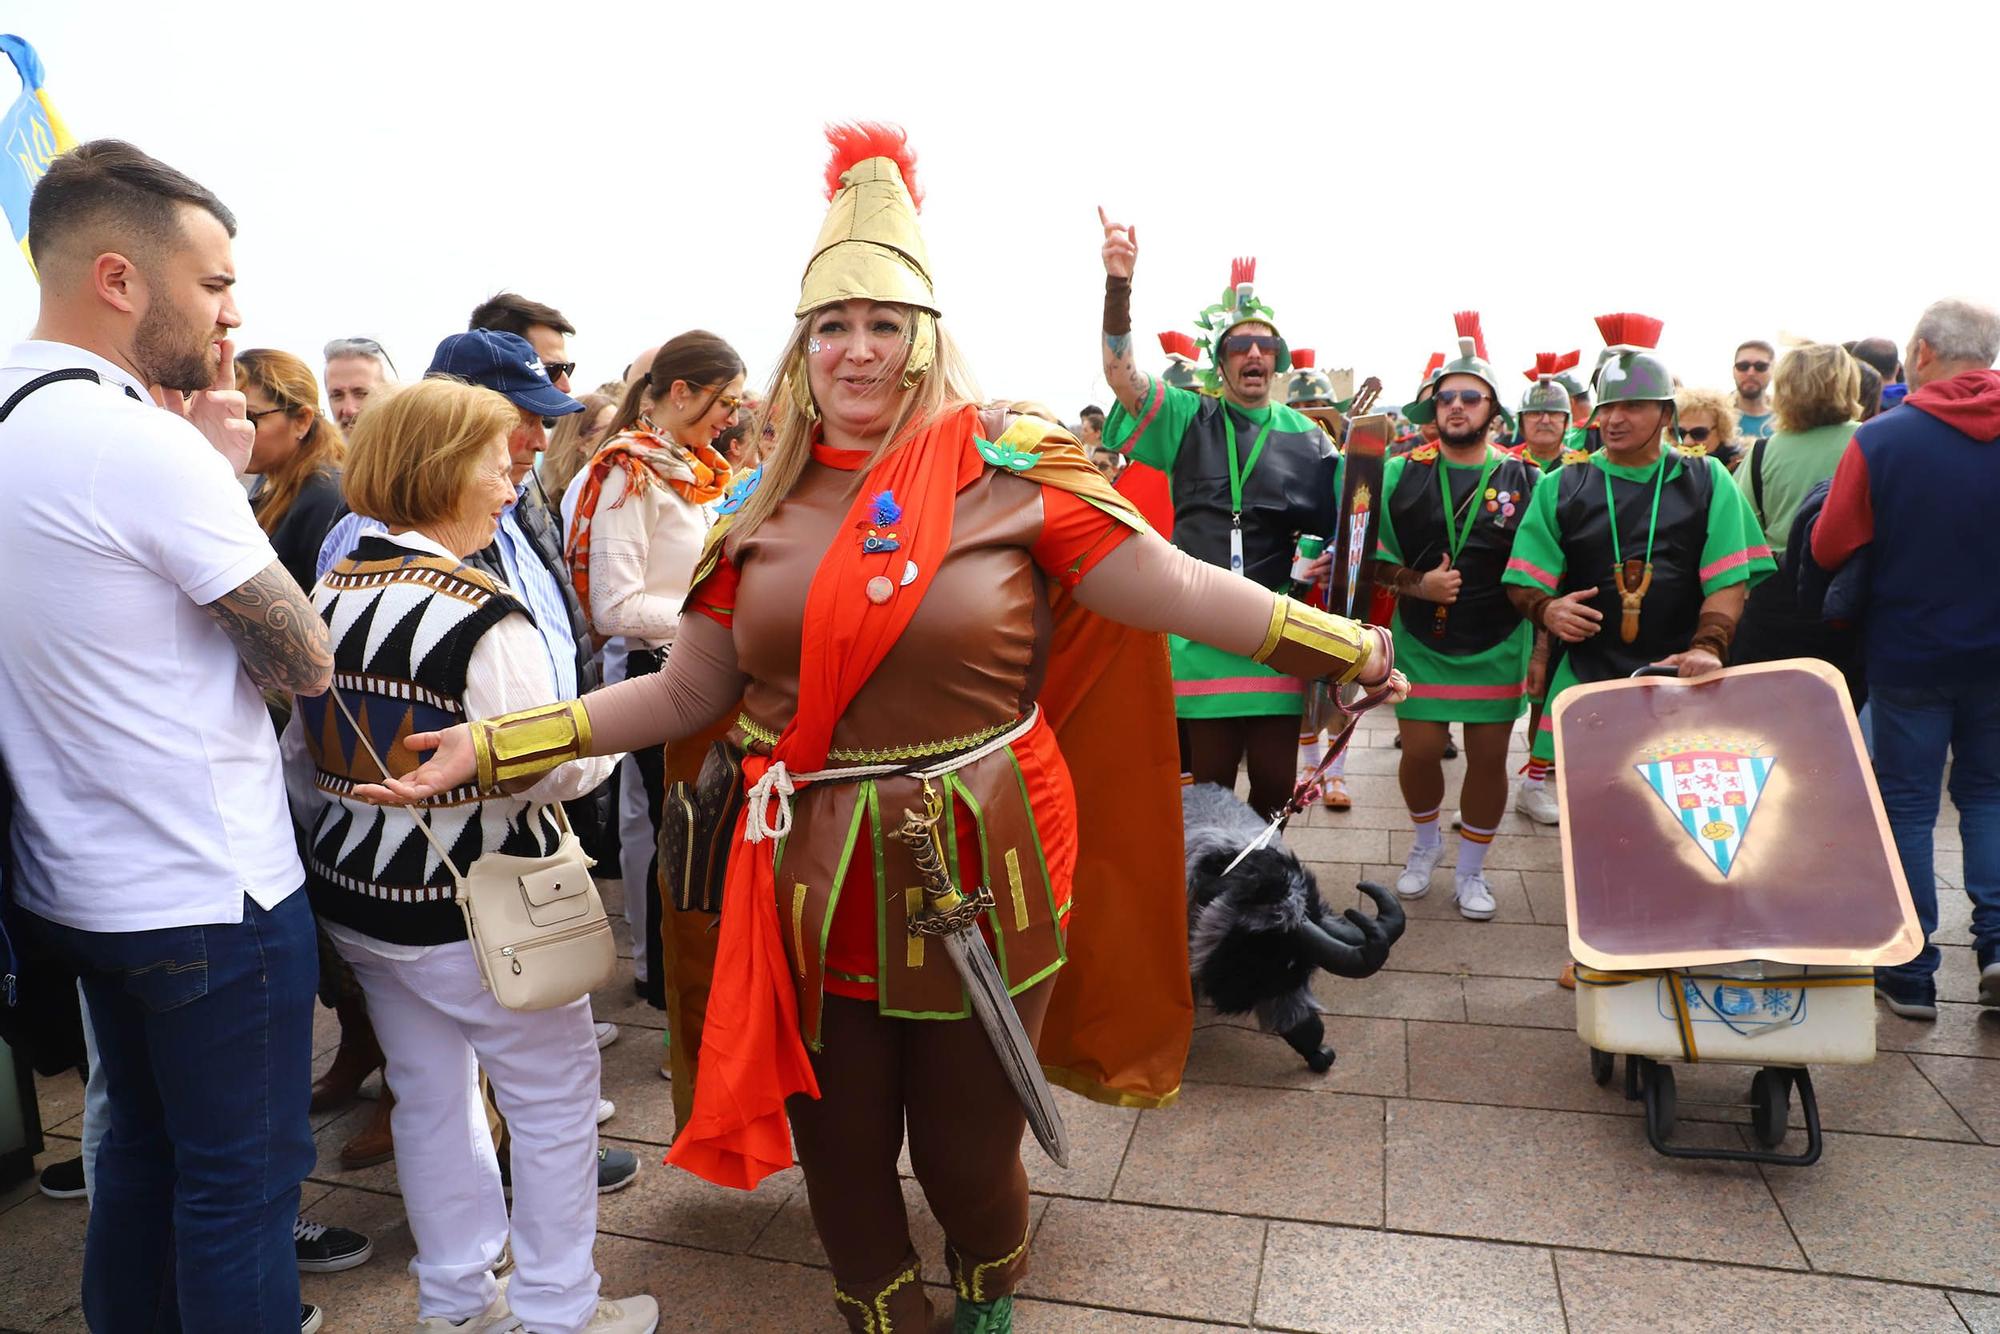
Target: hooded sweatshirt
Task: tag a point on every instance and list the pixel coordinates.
(1920, 486)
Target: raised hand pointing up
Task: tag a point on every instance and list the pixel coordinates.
(1121, 246)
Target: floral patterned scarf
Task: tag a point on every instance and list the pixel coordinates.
(696, 473)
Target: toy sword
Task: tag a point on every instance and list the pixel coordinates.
(952, 919)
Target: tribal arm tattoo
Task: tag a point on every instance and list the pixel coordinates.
(1132, 385)
(280, 638)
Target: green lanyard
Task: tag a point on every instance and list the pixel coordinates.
(1236, 480)
(1652, 524)
(1454, 539)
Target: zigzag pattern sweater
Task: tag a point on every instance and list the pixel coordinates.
(404, 626)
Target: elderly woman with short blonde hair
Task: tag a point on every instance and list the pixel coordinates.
(422, 640)
(1707, 423)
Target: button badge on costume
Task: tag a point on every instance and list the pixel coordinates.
(1711, 785)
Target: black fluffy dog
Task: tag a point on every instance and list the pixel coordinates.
(1257, 934)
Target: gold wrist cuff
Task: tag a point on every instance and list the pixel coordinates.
(529, 742)
(1309, 643)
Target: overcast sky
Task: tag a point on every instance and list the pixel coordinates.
(1737, 169)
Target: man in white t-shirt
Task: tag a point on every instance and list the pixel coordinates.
(142, 613)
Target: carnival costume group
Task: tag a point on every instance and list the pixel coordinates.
(953, 659)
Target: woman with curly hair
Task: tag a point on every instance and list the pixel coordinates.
(1707, 424)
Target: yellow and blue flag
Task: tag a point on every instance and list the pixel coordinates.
(31, 134)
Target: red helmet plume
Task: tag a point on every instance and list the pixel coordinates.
(1178, 344)
(1628, 329)
(858, 142)
(1467, 323)
(1434, 365)
(1553, 363)
(1242, 270)
(1302, 358)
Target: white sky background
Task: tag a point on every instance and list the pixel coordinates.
(1737, 169)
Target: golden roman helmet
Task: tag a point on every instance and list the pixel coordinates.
(870, 246)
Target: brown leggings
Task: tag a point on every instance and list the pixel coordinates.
(1483, 798)
(1216, 746)
(965, 1129)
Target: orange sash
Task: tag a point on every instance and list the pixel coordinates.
(752, 1057)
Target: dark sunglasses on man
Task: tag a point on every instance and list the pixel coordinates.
(1238, 344)
(558, 369)
(364, 347)
(1758, 366)
(1472, 398)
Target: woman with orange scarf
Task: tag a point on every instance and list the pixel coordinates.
(914, 583)
(638, 515)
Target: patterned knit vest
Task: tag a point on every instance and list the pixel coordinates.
(404, 626)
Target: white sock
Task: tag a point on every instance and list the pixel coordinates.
(1311, 749)
(1426, 822)
(1472, 846)
(1338, 769)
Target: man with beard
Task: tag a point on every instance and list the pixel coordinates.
(1752, 369)
(357, 369)
(1635, 555)
(1447, 526)
(1248, 475)
(146, 612)
(541, 325)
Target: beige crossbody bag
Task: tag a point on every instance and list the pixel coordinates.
(537, 924)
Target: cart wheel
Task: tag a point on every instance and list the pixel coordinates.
(1602, 1065)
(1661, 1102)
(1771, 1102)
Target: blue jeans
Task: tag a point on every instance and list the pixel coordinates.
(1914, 728)
(205, 1038)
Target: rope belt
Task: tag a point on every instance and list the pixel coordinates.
(1676, 979)
(781, 785)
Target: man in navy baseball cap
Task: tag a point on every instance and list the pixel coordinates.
(504, 362)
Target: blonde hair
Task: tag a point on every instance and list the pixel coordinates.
(413, 455)
(290, 385)
(564, 458)
(947, 385)
(1718, 405)
(1815, 385)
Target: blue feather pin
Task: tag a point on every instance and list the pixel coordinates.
(883, 512)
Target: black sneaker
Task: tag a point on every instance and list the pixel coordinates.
(1910, 997)
(64, 1180)
(328, 1250)
(309, 1318)
(616, 1169)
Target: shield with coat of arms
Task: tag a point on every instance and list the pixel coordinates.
(1711, 785)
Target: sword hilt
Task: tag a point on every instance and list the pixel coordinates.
(948, 909)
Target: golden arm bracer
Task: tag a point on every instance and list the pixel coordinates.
(533, 741)
(1309, 643)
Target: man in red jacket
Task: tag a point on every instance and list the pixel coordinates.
(1917, 487)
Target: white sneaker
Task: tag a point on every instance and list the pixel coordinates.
(606, 1035)
(606, 1109)
(1415, 881)
(627, 1315)
(1475, 898)
(495, 1319)
(1538, 802)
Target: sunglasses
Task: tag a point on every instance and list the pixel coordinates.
(366, 347)
(258, 416)
(1759, 366)
(1236, 344)
(1696, 433)
(557, 369)
(1472, 398)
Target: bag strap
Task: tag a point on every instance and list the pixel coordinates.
(55, 377)
(1757, 471)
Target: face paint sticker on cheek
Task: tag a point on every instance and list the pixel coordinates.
(814, 347)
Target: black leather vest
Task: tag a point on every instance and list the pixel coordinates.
(1482, 616)
(1293, 489)
(1672, 605)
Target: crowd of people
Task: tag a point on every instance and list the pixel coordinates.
(268, 630)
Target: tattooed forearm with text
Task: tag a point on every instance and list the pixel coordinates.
(280, 638)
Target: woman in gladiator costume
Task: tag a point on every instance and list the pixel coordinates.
(919, 605)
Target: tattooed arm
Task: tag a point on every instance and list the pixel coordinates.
(281, 639)
(1121, 255)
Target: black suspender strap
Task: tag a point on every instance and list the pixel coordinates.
(54, 377)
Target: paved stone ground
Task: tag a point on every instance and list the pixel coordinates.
(1456, 1169)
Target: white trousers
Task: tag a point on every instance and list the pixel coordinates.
(435, 1019)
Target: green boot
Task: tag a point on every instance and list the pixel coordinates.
(994, 1317)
